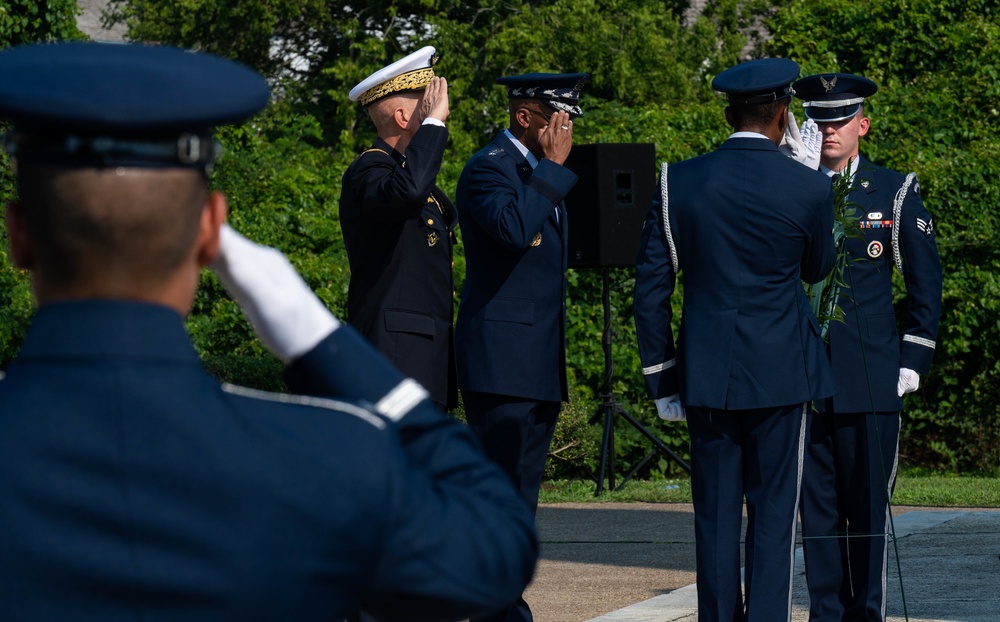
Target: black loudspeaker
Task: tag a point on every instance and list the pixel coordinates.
(607, 205)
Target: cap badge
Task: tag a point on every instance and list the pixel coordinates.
(432, 238)
(875, 249)
(537, 240)
(828, 84)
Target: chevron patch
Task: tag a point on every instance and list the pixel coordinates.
(926, 226)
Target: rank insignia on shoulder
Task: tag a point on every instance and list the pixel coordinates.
(495, 151)
(925, 227)
(432, 238)
(875, 249)
(537, 240)
(916, 188)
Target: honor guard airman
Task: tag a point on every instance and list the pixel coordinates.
(745, 225)
(398, 225)
(511, 328)
(851, 459)
(135, 485)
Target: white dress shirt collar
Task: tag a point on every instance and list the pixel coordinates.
(530, 157)
(831, 173)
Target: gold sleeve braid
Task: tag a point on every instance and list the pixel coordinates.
(409, 81)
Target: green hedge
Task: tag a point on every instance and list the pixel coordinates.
(936, 114)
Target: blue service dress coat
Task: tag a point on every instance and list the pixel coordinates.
(745, 225)
(850, 468)
(398, 229)
(137, 487)
(510, 333)
(748, 226)
(866, 299)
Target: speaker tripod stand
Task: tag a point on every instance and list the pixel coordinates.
(610, 408)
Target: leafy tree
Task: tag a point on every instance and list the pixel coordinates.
(651, 64)
(35, 21)
(650, 83)
(22, 22)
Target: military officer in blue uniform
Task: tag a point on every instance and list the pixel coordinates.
(511, 327)
(398, 225)
(850, 467)
(745, 225)
(135, 485)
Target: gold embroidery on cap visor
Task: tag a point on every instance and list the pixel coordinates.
(409, 81)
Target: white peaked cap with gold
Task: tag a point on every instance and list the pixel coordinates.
(412, 73)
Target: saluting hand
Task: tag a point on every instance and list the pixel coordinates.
(287, 316)
(803, 146)
(556, 139)
(434, 103)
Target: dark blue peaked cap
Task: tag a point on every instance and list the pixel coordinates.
(830, 97)
(121, 105)
(757, 81)
(559, 90)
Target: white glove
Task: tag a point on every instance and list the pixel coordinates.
(287, 316)
(909, 380)
(670, 408)
(803, 145)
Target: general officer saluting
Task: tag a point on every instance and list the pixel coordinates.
(398, 226)
(850, 467)
(136, 486)
(511, 327)
(746, 225)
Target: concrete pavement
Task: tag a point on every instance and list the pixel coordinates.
(607, 562)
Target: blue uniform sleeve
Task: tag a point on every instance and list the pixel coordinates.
(392, 189)
(922, 275)
(466, 547)
(654, 284)
(492, 194)
(820, 253)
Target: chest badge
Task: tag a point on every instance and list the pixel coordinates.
(874, 215)
(865, 183)
(537, 240)
(432, 238)
(875, 249)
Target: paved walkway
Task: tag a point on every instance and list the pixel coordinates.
(607, 562)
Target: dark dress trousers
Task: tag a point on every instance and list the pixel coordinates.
(747, 225)
(138, 487)
(398, 229)
(510, 331)
(851, 459)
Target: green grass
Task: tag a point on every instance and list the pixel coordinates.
(928, 491)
